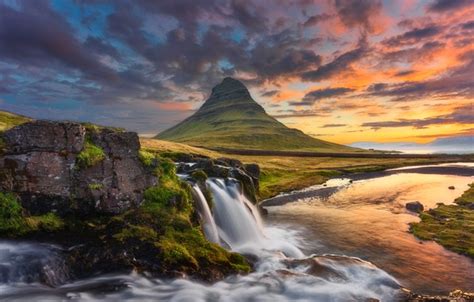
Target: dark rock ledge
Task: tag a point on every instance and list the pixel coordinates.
(111, 206)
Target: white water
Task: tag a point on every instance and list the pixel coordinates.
(282, 272)
(207, 221)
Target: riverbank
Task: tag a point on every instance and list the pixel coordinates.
(366, 218)
(452, 226)
(280, 174)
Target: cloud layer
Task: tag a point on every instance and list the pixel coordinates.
(345, 67)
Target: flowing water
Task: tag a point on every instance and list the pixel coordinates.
(356, 236)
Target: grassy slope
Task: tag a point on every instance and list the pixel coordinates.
(281, 174)
(452, 226)
(9, 120)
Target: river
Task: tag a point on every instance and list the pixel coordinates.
(343, 244)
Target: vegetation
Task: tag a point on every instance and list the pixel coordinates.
(147, 158)
(90, 155)
(199, 175)
(96, 186)
(287, 173)
(14, 223)
(452, 226)
(9, 120)
(165, 222)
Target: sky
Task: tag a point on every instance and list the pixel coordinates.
(342, 70)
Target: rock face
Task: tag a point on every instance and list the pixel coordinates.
(248, 174)
(39, 164)
(414, 206)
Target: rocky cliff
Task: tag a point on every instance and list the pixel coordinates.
(66, 167)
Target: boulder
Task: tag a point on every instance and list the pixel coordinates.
(414, 206)
(40, 165)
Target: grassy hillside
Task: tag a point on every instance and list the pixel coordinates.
(231, 119)
(9, 120)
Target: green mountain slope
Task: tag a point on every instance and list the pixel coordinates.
(9, 120)
(230, 118)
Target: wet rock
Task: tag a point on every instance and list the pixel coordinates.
(227, 167)
(414, 206)
(454, 296)
(451, 187)
(40, 165)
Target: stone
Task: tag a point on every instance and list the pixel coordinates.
(39, 165)
(414, 206)
(451, 187)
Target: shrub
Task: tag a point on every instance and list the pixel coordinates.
(199, 175)
(90, 155)
(147, 158)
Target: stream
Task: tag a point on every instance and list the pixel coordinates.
(346, 240)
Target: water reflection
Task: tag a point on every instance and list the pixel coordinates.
(367, 219)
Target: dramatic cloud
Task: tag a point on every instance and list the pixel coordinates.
(447, 5)
(339, 64)
(413, 36)
(311, 97)
(145, 65)
(461, 115)
(359, 13)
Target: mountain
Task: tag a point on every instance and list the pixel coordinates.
(454, 145)
(230, 118)
(9, 120)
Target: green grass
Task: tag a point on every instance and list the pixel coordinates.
(9, 120)
(14, 222)
(287, 173)
(90, 155)
(452, 226)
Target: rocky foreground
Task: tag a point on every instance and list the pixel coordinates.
(110, 205)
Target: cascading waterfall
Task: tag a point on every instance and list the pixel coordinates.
(207, 221)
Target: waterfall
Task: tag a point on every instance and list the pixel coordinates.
(235, 222)
(207, 221)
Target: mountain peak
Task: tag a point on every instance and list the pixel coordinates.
(230, 118)
(229, 89)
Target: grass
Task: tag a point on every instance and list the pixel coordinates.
(9, 120)
(287, 173)
(14, 222)
(452, 226)
(90, 155)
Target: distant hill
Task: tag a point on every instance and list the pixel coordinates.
(9, 120)
(231, 119)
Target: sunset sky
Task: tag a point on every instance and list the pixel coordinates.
(340, 70)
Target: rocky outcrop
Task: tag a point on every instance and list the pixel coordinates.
(414, 206)
(247, 174)
(40, 164)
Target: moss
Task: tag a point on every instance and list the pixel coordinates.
(49, 222)
(147, 158)
(90, 155)
(2, 144)
(142, 233)
(199, 175)
(467, 198)
(95, 186)
(452, 226)
(14, 223)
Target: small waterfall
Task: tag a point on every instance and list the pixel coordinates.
(237, 225)
(207, 221)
